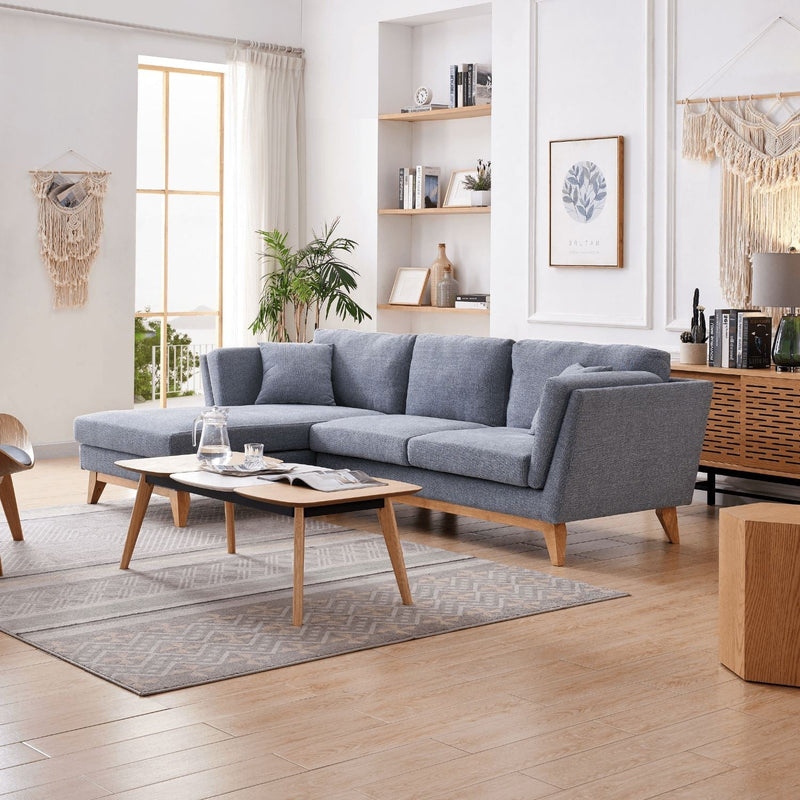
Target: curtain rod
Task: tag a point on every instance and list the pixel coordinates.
(278, 48)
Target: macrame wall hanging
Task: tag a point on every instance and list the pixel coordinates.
(70, 227)
(760, 175)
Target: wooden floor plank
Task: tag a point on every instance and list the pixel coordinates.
(624, 699)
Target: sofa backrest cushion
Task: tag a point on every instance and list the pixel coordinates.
(534, 361)
(370, 370)
(553, 406)
(234, 375)
(296, 373)
(460, 377)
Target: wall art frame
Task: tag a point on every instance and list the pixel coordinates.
(586, 202)
(458, 196)
(409, 286)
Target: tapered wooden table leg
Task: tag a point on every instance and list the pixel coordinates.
(299, 565)
(230, 526)
(389, 529)
(143, 493)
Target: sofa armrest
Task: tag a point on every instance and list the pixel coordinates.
(627, 448)
(550, 415)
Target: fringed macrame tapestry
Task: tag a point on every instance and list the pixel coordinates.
(70, 227)
(760, 184)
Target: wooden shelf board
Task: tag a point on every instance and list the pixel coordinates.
(434, 309)
(436, 211)
(465, 112)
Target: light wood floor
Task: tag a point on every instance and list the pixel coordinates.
(623, 699)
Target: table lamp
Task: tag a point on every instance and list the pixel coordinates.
(776, 284)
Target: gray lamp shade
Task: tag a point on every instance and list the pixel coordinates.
(776, 280)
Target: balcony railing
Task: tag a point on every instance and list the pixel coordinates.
(183, 369)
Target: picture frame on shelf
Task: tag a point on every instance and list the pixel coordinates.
(409, 286)
(457, 194)
(586, 202)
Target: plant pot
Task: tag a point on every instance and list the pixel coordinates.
(691, 353)
(481, 198)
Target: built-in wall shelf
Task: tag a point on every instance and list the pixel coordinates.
(464, 112)
(436, 211)
(434, 309)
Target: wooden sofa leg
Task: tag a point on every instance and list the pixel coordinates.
(668, 517)
(180, 508)
(96, 487)
(555, 537)
(9, 501)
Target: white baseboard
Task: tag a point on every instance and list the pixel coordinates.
(56, 450)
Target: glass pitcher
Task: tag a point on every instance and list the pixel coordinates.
(215, 446)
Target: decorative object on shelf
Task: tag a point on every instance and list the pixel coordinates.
(409, 286)
(423, 96)
(480, 186)
(437, 271)
(70, 226)
(311, 278)
(586, 202)
(474, 301)
(759, 153)
(457, 192)
(693, 342)
(776, 284)
(446, 289)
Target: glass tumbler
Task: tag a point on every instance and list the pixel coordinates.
(254, 455)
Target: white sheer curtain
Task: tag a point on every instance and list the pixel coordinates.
(264, 173)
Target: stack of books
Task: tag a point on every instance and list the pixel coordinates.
(739, 338)
(418, 187)
(470, 85)
(472, 301)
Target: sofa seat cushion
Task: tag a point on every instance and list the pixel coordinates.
(161, 432)
(494, 454)
(382, 438)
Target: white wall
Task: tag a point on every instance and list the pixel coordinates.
(561, 69)
(68, 84)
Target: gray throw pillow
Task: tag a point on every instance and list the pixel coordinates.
(296, 373)
(572, 369)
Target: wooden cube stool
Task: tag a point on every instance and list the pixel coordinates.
(759, 592)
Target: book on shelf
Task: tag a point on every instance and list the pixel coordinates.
(460, 86)
(473, 298)
(471, 304)
(712, 344)
(482, 86)
(722, 336)
(469, 90)
(403, 171)
(408, 192)
(325, 480)
(426, 187)
(428, 107)
(753, 340)
(453, 85)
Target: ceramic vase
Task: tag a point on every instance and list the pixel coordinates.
(437, 271)
(691, 353)
(481, 198)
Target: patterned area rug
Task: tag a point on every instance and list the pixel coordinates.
(188, 613)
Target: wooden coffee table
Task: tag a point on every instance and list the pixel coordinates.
(280, 498)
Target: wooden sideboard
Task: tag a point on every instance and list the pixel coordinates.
(753, 427)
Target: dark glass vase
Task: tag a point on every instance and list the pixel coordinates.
(786, 348)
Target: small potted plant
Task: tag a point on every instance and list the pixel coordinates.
(693, 342)
(481, 184)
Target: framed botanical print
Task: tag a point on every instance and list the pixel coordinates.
(586, 202)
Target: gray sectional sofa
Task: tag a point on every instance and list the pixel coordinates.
(533, 433)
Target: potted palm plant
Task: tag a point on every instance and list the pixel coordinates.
(311, 281)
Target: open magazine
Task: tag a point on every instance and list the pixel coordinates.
(325, 480)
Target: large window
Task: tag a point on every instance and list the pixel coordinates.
(178, 230)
